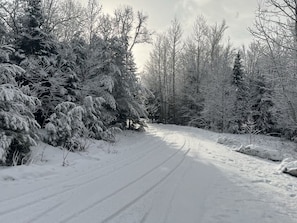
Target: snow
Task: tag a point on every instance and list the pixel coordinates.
(167, 174)
(265, 153)
(266, 147)
(289, 166)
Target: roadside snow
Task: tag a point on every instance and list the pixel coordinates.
(265, 147)
(168, 174)
(262, 152)
(289, 166)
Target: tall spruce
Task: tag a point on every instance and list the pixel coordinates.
(33, 38)
(240, 108)
(238, 72)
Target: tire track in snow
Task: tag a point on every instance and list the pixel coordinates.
(136, 156)
(148, 212)
(52, 195)
(41, 214)
(174, 192)
(118, 212)
(172, 195)
(94, 204)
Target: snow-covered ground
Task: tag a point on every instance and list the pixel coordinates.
(168, 174)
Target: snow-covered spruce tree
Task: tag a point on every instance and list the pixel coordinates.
(92, 116)
(95, 119)
(127, 89)
(129, 30)
(65, 126)
(261, 104)
(50, 72)
(32, 38)
(240, 110)
(238, 72)
(107, 71)
(95, 69)
(18, 128)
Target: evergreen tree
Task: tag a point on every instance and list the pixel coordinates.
(32, 38)
(238, 72)
(50, 72)
(261, 105)
(65, 126)
(18, 128)
(240, 88)
(127, 90)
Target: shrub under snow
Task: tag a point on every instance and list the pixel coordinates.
(65, 126)
(261, 152)
(228, 142)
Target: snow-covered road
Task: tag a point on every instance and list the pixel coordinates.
(168, 174)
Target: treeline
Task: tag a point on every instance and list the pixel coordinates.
(68, 69)
(205, 82)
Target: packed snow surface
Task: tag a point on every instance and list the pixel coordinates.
(166, 174)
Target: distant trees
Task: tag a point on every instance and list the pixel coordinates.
(191, 74)
(215, 87)
(216, 83)
(163, 65)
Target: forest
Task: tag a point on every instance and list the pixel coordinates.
(68, 71)
(200, 79)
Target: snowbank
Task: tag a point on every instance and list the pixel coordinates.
(265, 147)
(289, 166)
(261, 152)
(229, 142)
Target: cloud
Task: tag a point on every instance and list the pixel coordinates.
(239, 15)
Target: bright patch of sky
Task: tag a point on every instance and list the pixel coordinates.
(238, 14)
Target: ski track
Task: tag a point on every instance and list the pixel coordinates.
(135, 156)
(147, 191)
(171, 194)
(57, 191)
(125, 187)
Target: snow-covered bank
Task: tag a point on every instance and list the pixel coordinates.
(167, 174)
(265, 147)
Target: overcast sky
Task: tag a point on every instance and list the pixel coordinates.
(239, 15)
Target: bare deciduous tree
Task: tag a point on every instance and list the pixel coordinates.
(131, 27)
(175, 37)
(276, 27)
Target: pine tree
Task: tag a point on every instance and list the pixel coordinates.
(261, 104)
(240, 89)
(238, 72)
(127, 90)
(50, 72)
(32, 38)
(18, 128)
